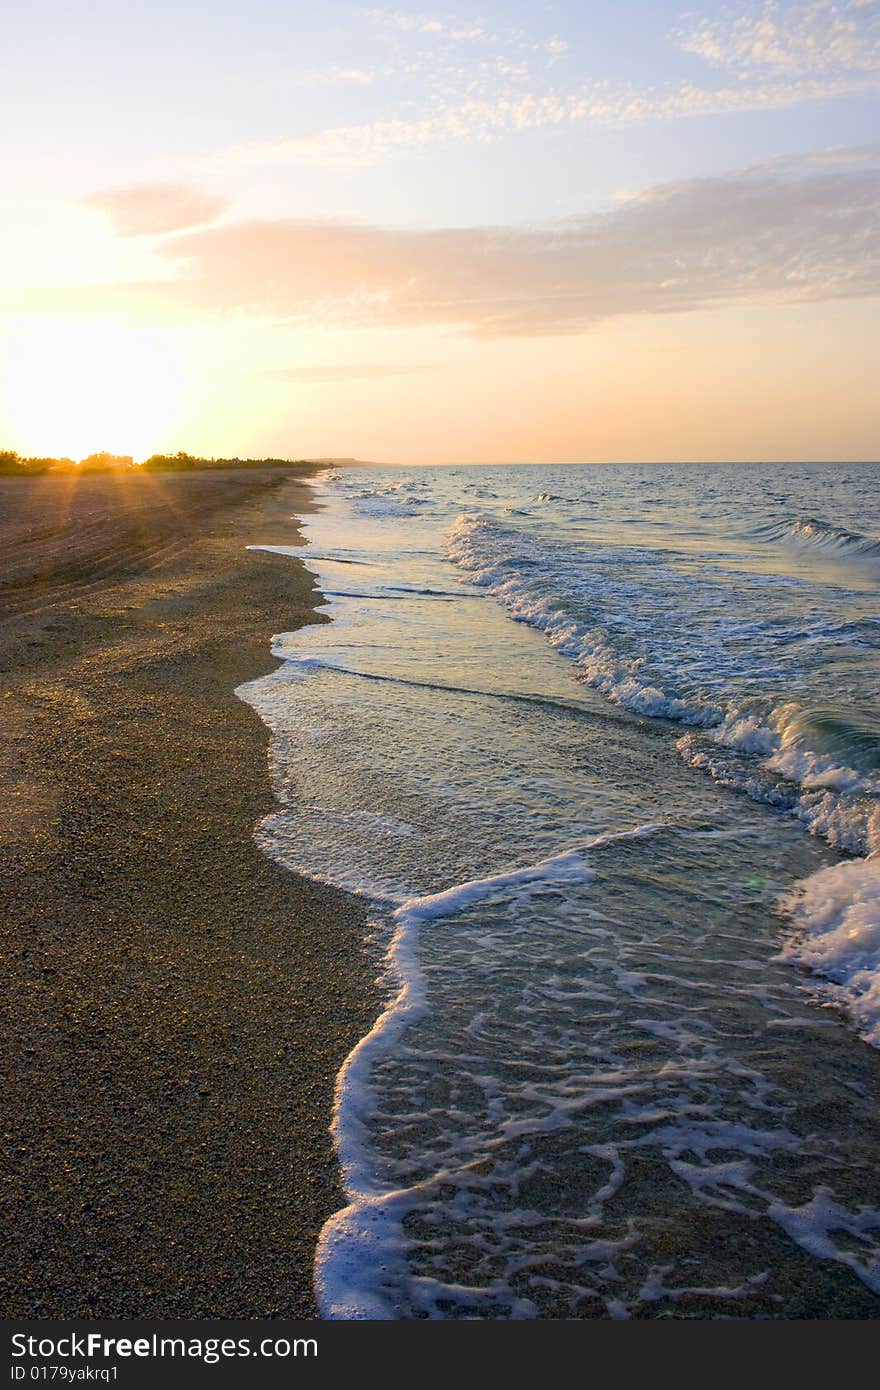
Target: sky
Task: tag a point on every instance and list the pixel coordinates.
(558, 232)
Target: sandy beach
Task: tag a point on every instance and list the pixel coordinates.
(176, 1005)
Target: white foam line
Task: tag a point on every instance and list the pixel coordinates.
(835, 799)
(638, 833)
(360, 1250)
(836, 918)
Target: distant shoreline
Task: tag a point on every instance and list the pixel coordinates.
(176, 1005)
(13, 464)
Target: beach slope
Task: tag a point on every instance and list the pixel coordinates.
(175, 1006)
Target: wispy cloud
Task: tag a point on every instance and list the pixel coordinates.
(335, 77)
(463, 31)
(355, 371)
(764, 57)
(406, 23)
(792, 231)
(148, 210)
(480, 119)
(807, 37)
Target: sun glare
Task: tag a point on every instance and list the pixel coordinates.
(73, 389)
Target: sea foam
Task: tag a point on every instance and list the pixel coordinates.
(836, 918)
(360, 1258)
(821, 765)
(595, 1089)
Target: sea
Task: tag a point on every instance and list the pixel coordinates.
(599, 745)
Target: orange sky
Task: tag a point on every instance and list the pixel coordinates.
(437, 239)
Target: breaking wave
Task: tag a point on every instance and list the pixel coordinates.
(812, 531)
(821, 762)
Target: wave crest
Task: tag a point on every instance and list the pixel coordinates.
(811, 531)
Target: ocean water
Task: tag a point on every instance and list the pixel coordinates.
(601, 747)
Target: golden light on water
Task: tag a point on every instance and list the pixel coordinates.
(72, 389)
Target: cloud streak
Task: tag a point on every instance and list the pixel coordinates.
(818, 36)
(355, 371)
(149, 210)
(406, 23)
(335, 77)
(791, 231)
(481, 120)
(763, 56)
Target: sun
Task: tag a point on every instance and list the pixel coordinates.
(73, 389)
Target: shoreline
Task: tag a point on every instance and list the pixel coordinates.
(178, 1004)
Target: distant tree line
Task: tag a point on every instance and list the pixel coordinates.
(12, 463)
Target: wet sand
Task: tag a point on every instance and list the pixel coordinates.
(175, 1006)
